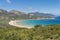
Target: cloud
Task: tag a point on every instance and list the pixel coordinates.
(8, 1)
(30, 8)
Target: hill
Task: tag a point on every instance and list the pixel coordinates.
(14, 14)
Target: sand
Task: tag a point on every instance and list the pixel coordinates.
(14, 23)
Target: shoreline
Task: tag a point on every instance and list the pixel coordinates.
(14, 23)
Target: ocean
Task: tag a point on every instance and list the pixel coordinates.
(40, 22)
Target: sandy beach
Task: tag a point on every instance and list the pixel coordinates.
(14, 23)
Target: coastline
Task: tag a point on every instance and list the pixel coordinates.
(14, 23)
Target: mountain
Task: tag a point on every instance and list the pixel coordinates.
(15, 14)
(3, 11)
(41, 14)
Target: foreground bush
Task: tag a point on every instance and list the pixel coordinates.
(51, 32)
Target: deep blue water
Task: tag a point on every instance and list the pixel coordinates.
(39, 22)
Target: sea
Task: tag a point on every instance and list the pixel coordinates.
(42, 22)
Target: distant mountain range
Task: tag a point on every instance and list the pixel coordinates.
(14, 14)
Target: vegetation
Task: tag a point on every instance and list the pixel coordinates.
(49, 32)
(8, 32)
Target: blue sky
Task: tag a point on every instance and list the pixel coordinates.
(43, 6)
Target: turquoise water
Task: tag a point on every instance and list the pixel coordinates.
(39, 22)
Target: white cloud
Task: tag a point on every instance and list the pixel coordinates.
(8, 1)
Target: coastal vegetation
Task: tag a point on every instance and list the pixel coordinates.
(8, 32)
(49, 32)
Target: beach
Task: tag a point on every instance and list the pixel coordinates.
(14, 23)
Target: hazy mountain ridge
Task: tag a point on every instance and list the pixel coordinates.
(14, 14)
(42, 14)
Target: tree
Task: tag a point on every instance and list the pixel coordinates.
(36, 26)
